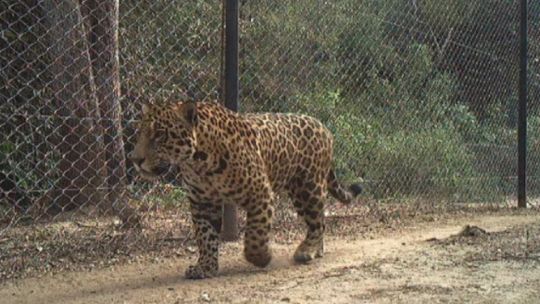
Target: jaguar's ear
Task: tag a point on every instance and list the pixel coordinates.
(189, 110)
(145, 108)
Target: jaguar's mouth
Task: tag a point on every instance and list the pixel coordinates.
(154, 173)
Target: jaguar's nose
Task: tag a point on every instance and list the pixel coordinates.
(136, 160)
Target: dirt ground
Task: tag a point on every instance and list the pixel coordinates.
(426, 262)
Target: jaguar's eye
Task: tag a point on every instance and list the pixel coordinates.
(160, 135)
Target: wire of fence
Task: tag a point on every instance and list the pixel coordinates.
(421, 97)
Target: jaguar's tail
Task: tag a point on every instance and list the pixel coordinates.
(341, 194)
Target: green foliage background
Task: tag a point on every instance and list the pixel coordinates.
(421, 95)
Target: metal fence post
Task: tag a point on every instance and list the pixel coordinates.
(522, 117)
(230, 225)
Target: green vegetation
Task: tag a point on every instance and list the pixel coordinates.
(420, 95)
(421, 98)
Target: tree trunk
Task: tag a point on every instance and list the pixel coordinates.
(76, 107)
(102, 18)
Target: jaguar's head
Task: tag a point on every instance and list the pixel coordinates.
(166, 136)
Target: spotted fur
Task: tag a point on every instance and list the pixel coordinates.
(244, 159)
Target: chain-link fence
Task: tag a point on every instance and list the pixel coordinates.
(421, 97)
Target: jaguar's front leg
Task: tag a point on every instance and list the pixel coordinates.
(207, 224)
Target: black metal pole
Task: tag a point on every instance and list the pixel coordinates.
(231, 54)
(522, 117)
(230, 223)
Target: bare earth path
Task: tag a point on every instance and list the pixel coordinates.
(502, 266)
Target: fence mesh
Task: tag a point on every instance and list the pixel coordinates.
(421, 97)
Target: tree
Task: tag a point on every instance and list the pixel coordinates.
(86, 86)
(75, 102)
(102, 17)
